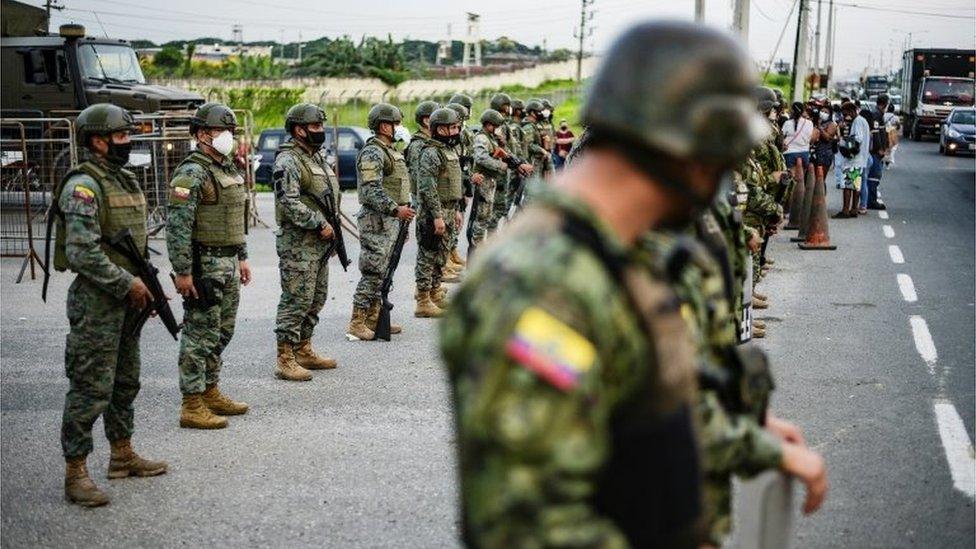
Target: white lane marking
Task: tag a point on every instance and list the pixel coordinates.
(888, 231)
(882, 214)
(958, 448)
(895, 253)
(923, 342)
(907, 288)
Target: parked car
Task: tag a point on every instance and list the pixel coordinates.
(351, 140)
(959, 132)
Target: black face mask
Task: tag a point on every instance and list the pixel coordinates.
(563, 127)
(449, 140)
(315, 138)
(118, 153)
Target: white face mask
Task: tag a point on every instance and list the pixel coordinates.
(825, 116)
(223, 143)
(546, 113)
(401, 133)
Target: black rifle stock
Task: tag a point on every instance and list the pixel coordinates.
(327, 207)
(382, 330)
(126, 245)
(475, 202)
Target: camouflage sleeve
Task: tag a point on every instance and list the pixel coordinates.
(531, 454)
(428, 168)
(79, 202)
(762, 203)
(532, 141)
(483, 158)
(369, 171)
(184, 195)
(287, 186)
(734, 444)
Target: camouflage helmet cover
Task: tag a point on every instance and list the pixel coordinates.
(383, 112)
(460, 109)
(499, 100)
(493, 117)
(213, 115)
(424, 109)
(462, 99)
(518, 104)
(302, 114)
(533, 105)
(766, 99)
(102, 119)
(444, 117)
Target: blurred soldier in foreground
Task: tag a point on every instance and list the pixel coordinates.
(384, 187)
(440, 193)
(573, 371)
(96, 200)
(302, 180)
(205, 238)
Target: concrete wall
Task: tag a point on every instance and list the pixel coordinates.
(339, 90)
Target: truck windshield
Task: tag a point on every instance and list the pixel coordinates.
(955, 92)
(110, 63)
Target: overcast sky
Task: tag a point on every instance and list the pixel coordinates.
(867, 32)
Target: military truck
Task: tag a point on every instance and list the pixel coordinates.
(48, 74)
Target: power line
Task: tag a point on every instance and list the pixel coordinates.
(906, 12)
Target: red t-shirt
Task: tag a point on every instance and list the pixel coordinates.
(563, 135)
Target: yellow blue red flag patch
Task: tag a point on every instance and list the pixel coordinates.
(552, 350)
(84, 194)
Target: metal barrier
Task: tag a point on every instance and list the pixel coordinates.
(35, 154)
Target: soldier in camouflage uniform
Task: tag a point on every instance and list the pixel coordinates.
(493, 172)
(548, 131)
(762, 214)
(511, 142)
(205, 239)
(464, 149)
(95, 201)
(412, 153)
(440, 191)
(303, 240)
(533, 137)
(778, 181)
(578, 146)
(384, 187)
(573, 372)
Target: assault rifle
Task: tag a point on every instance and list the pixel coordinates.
(469, 233)
(125, 244)
(327, 206)
(382, 330)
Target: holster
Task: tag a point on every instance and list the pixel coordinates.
(206, 288)
(426, 238)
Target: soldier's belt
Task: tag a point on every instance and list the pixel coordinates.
(218, 251)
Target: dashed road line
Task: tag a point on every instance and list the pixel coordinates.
(923, 342)
(895, 253)
(907, 288)
(958, 448)
(888, 231)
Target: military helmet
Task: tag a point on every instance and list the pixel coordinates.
(779, 96)
(213, 115)
(383, 112)
(518, 104)
(766, 98)
(444, 117)
(460, 109)
(462, 99)
(547, 104)
(424, 109)
(303, 114)
(102, 119)
(499, 100)
(493, 117)
(533, 105)
(703, 111)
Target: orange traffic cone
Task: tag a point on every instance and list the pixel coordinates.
(818, 233)
(808, 185)
(796, 198)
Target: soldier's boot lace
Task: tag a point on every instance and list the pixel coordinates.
(125, 462)
(79, 487)
(221, 404)
(194, 414)
(307, 358)
(357, 325)
(374, 317)
(287, 368)
(425, 307)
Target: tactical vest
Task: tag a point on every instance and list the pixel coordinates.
(396, 178)
(491, 173)
(536, 141)
(316, 180)
(123, 206)
(449, 179)
(220, 213)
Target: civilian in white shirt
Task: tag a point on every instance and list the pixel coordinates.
(855, 150)
(798, 131)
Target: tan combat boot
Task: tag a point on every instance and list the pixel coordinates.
(194, 414)
(357, 325)
(307, 358)
(125, 462)
(759, 295)
(759, 323)
(758, 303)
(450, 277)
(439, 296)
(456, 258)
(220, 404)
(287, 367)
(758, 332)
(374, 317)
(425, 307)
(79, 487)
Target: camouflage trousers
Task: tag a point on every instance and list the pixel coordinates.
(483, 215)
(431, 262)
(102, 368)
(377, 234)
(455, 235)
(208, 330)
(304, 270)
(501, 202)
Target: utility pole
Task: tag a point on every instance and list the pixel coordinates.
(740, 19)
(829, 53)
(582, 34)
(52, 5)
(800, 53)
(816, 47)
(699, 11)
(299, 47)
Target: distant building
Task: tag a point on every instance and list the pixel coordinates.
(219, 52)
(509, 58)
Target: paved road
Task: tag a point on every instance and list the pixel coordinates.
(362, 456)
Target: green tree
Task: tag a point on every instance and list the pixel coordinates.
(169, 58)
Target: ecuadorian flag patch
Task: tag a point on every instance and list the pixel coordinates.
(551, 349)
(179, 194)
(84, 194)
